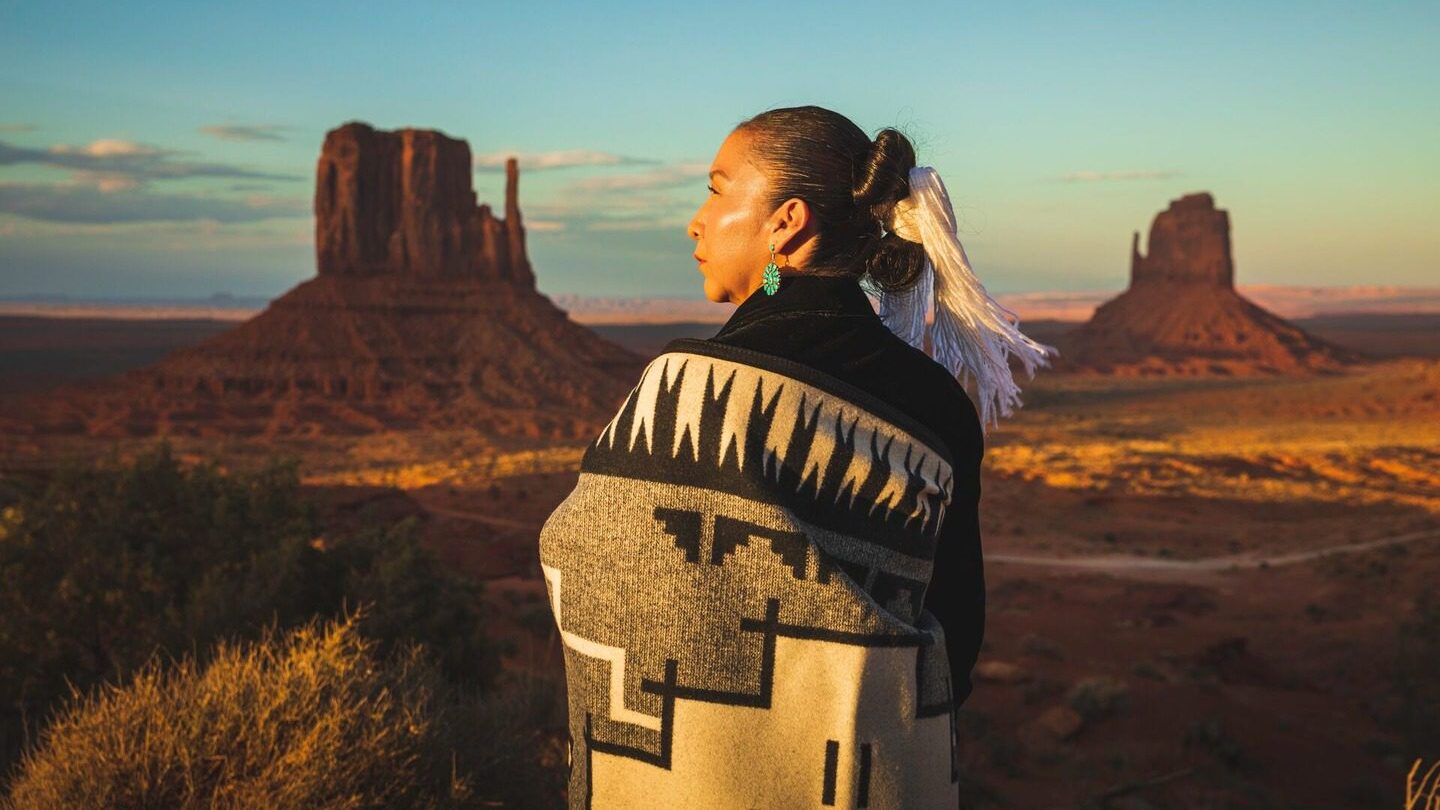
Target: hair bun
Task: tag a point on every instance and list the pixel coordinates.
(883, 176)
(892, 263)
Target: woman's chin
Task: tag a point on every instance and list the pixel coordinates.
(713, 292)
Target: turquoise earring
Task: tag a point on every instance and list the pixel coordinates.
(772, 274)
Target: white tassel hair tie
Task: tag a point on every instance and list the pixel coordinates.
(972, 333)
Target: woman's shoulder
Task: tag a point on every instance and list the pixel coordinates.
(940, 401)
(864, 353)
(867, 355)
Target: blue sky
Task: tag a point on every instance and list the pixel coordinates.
(170, 148)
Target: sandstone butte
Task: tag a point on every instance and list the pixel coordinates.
(1181, 314)
(423, 313)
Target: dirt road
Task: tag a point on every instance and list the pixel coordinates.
(1131, 564)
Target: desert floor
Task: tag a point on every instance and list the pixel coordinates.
(1195, 587)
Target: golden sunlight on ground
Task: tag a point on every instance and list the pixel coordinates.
(1366, 439)
(1195, 587)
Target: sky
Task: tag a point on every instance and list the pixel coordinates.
(169, 149)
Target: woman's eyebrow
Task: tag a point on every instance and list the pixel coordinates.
(714, 172)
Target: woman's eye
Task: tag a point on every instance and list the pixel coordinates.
(712, 190)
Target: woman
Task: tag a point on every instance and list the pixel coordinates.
(768, 579)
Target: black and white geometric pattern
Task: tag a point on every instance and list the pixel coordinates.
(738, 579)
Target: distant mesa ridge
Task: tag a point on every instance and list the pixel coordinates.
(1181, 314)
(424, 313)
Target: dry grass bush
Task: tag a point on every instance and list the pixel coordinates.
(105, 565)
(311, 719)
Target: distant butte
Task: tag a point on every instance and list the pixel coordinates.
(1181, 314)
(423, 314)
(402, 203)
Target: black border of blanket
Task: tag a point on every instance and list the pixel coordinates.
(819, 379)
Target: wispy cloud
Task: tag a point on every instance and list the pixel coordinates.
(110, 183)
(118, 164)
(77, 203)
(190, 235)
(633, 201)
(105, 181)
(1123, 174)
(559, 159)
(17, 127)
(111, 148)
(674, 175)
(244, 132)
(634, 224)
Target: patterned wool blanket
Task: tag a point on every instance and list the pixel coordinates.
(738, 580)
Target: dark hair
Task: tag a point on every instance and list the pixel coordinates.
(851, 184)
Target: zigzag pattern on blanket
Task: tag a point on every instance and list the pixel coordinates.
(703, 420)
(738, 578)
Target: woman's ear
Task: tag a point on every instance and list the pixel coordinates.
(791, 221)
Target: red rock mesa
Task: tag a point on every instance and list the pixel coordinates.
(1182, 315)
(424, 313)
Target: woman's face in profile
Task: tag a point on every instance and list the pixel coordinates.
(730, 228)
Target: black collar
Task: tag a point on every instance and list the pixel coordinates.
(802, 292)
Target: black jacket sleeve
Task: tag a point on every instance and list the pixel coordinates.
(957, 586)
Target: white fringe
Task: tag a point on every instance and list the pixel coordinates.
(971, 333)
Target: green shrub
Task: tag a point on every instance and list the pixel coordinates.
(1099, 696)
(413, 597)
(512, 741)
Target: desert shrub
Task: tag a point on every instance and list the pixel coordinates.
(1041, 689)
(512, 741)
(1416, 676)
(537, 618)
(1211, 736)
(314, 719)
(1041, 647)
(1098, 696)
(1147, 669)
(412, 596)
(105, 565)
